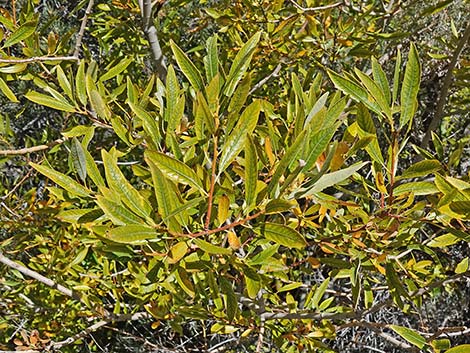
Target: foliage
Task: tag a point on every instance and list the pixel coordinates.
(280, 221)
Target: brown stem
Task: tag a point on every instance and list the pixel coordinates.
(81, 32)
(38, 59)
(212, 187)
(27, 150)
(219, 229)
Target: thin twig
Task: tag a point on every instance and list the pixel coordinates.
(384, 335)
(219, 229)
(38, 59)
(318, 8)
(27, 150)
(436, 120)
(18, 184)
(266, 79)
(212, 187)
(81, 32)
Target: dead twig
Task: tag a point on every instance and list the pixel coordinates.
(27, 150)
(37, 59)
(81, 32)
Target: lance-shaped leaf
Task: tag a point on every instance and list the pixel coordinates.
(211, 60)
(24, 31)
(172, 95)
(410, 335)
(92, 169)
(421, 168)
(132, 234)
(463, 348)
(119, 184)
(317, 145)
(231, 301)
(166, 198)
(7, 91)
(381, 79)
(331, 179)
(80, 83)
(396, 77)
(410, 87)
(203, 118)
(358, 93)
(235, 142)
(251, 173)
(64, 181)
(64, 82)
(78, 158)
(189, 69)
(211, 248)
(51, 102)
(376, 92)
(240, 64)
(118, 214)
(417, 188)
(175, 170)
(148, 122)
(283, 235)
(286, 160)
(116, 69)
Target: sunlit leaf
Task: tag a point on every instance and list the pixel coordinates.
(283, 235)
(410, 335)
(64, 181)
(131, 234)
(175, 170)
(50, 102)
(116, 69)
(7, 91)
(26, 30)
(236, 140)
(211, 248)
(410, 87)
(78, 158)
(240, 64)
(189, 69)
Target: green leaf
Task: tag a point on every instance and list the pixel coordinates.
(283, 235)
(174, 108)
(422, 168)
(444, 240)
(203, 118)
(26, 30)
(278, 205)
(290, 155)
(239, 96)
(80, 83)
(236, 140)
(13, 69)
(252, 281)
(175, 170)
(148, 122)
(189, 69)
(251, 174)
(118, 214)
(64, 82)
(463, 348)
(353, 89)
(431, 10)
(410, 335)
(317, 145)
(417, 188)
(7, 91)
(410, 87)
(167, 198)
(78, 158)
(119, 184)
(231, 301)
(376, 92)
(64, 181)
(211, 248)
(381, 79)
(116, 69)
(92, 169)
(240, 64)
(50, 102)
(462, 266)
(211, 60)
(333, 178)
(318, 295)
(99, 105)
(131, 234)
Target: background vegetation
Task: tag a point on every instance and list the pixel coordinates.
(259, 176)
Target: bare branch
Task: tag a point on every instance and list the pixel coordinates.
(152, 36)
(266, 79)
(81, 32)
(318, 8)
(27, 150)
(439, 114)
(38, 59)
